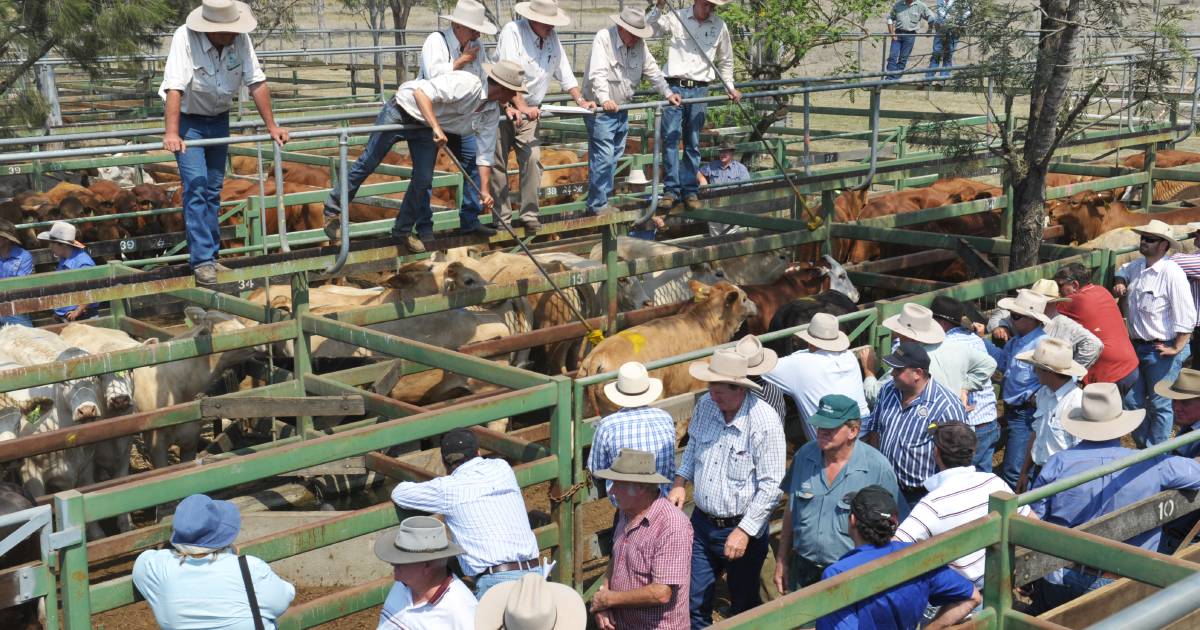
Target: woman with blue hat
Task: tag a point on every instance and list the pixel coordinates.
(202, 582)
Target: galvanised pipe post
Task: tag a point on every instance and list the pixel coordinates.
(562, 444)
(997, 577)
(344, 186)
(611, 275)
(1148, 187)
(302, 350)
(828, 214)
(71, 523)
(280, 215)
(262, 197)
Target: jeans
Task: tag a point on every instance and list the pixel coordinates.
(485, 581)
(1160, 416)
(944, 44)
(463, 148)
(606, 145)
(898, 51)
(1128, 388)
(686, 121)
(986, 436)
(16, 320)
(708, 560)
(1047, 596)
(201, 174)
(1020, 429)
(803, 572)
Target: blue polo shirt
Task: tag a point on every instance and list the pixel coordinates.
(904, 430)
(18, 262)
(1020, 381)
(78, 260)
(902, 606)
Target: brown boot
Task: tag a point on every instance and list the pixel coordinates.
(691, 203)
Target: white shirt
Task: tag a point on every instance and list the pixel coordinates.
(519, 43)
(809, 375)
(957, 496)
(1052, 407)
(460, 105)
(453, 610)
(439, 52)
(1160, 300)
(684, 60)
(614, 71)
(208, 79)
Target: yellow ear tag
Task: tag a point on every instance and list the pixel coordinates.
(595, 336)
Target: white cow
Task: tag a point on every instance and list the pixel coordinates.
(670, 285)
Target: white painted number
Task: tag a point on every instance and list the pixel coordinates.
(14, 170)
(128, 245)
(245, 285)
(1165, 510)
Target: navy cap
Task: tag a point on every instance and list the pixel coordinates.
(909, 354)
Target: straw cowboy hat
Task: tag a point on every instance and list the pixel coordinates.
(471, 14)
(1027, 304)
(1054, 355)
(823, 334)
(531, 603)
(1159, 229)
(632, 465)
(418, 539)
(9, 231)
(221, 16)
(633, 19)
(634, 386)
(544, 11)
(1100, 416)
(508, 74)
(1048, 288)
(61, 232)
(916, 322)
(725, 366)
(1186, 387)
(759, 360)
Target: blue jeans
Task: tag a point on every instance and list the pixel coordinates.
(202, 173)
(1160, 416)
(463, 148)
(606, 145)
(708, 560)
(944, 44)
(686, 120)
(485, 581)
(899, 49)
(986, 437)
(1020, 429)
(1047, 596)
(1128, 387)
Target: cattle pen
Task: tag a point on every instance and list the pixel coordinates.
(549, 451)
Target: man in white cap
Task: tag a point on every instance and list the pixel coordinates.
(71, 254)
(618, 62)
(531, 603)
(1019, 390)
(426, 596)
(211, 56)
(1057, 397)
(735, 457)
(531, 43)
(636, 425)
(1161, 316)
(1085, 346)
(1100, 423)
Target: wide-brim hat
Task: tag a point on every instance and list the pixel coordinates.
(1185, 387)
(725, 366)
(1100, 416)
(632, 465)
(1027, 304)
(1159, 229)
(634, 386)
(61, 232)
(1049, 289)
(201, 521)
(544, 11)
(916, 322)
(823, 333)
(633, 19)
(471, 14)
(222, 16)
(759, 360)
(531, 603)
(508, 74)
(418, 539)
(9, 231)
(1054, 355)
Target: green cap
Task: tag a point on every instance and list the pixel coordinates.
(833, 411)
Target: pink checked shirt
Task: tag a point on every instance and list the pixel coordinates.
(656, 549)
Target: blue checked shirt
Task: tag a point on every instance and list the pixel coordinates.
(18, 262)
(904, 431)
(643, 428)
(984, 400)
(1020, 381)
(484, 509)
(736, 467)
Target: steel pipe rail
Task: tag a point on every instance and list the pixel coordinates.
(1159, 610)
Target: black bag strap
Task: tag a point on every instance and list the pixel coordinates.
(245, 566)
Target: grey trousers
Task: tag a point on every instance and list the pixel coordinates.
(522, 138)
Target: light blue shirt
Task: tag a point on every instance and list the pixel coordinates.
(78, 260)
(18, 262)
(204, 594)
(1020, 381)
(983, 400)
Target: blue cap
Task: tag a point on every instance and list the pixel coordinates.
(203, 522)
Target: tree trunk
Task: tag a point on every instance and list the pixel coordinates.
(1029, 215)
(400, 12)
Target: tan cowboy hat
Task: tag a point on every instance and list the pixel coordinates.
(1159, 229)
(1186, 387)
(471, 14)
(508, 74)
(633, 19)
(1048, 288)
(637, 177)
(418, 539)
(544, 11)
(1055, 355)
(221, 16)
(9, 231)
(1027, 303)
(1100, 416)
(634, 387)
(759, 360)
(823, 334)
(916, 322)
(632, 465)
(725, 366)
(61, 232)
(531, 603)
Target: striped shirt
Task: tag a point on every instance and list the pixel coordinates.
(957, 496)
(771, 394)
(643, 428)
(484, 509)
(1190, 264)
(736, 466)
(1160, 300)
(654, 549)
(982, 401)
(904, 431)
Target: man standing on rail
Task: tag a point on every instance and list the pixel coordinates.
(1096, 310)
(14, 262)
(211, 57)
(698, 42)
(902, 23)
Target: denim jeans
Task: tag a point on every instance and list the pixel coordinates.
(1020, 429)
(606, 145)
(944, 44)
(1128, 387)
(485, 581)
(1160, 416)
(679, 179)
(899, 48)
(708, 560)
(986, 436)
(201, 174)
(463, 148)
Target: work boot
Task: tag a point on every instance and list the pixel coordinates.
(666, 202)
(333, 226)
(219, 267)
(691, 203)
(410, 242)
(532, 226)
(480, 230)
(206, 274)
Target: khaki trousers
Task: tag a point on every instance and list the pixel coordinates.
(522, 138)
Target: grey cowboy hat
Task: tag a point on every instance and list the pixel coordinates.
(418, 539)
(632, 465)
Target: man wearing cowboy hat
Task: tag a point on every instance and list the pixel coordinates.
(531, 603)
(531, 43)
(759, 362)
(735, 457)
(650, 569)
(618, 62)
(824, 472)
(1100, 423)
(1184, 393)
(426, 596)
(723, 170)
(1085, 347)
(211, 57)
(1019, 389)
(963, 323)
(1057, 397)
(1161, 316)
(1094, 309)
(698, 40)
(15, 261)
(454, 103)
(71, 254)
(636, 425)
(1189, 262)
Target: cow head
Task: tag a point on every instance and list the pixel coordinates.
(839, 280)
(80, 394)
(459, 277)
(632, 294)
(414, 280)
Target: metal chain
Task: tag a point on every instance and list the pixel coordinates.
(568, 493)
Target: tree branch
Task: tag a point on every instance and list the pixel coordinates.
(26, 64)
(1065, 129)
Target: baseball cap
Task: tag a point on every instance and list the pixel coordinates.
(458, 445)
(909, 354)
(874, 504)
(833, 411)
(954, 438)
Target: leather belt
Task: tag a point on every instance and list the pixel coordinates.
(686, 83)
(722, 523)
(904, 32)
(1086, 570)
(1149, 341)
(519, 565)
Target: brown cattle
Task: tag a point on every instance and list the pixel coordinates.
(62, 190)
(1084, 221)
(1164, 158)
(307, 216)
(105, 191)
(799, 280)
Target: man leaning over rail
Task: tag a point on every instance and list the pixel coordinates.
(211, 57)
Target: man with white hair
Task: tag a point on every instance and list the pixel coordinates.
(425, 595)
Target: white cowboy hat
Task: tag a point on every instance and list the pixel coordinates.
(1100, 416)
(637, 177)
(633, 19)
(418, 539)
(544, 11)
(1027, 304)
(531, 603)
(1186, 387)
(221, 16)
(632, 465)
(508, 74)
(61, 232)
(471, 14)
(1055, 355)
(634, 387)
(916, 322)
(759, 360)
(725, 366)
(1049, 289)
(823, 334)
(1159, 229)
